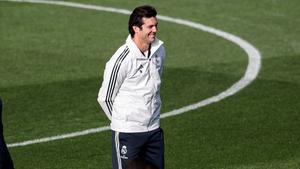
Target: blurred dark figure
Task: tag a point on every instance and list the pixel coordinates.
(5, 159)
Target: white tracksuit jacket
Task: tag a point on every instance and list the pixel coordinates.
(130, 91)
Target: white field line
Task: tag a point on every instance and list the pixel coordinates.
(254, 63)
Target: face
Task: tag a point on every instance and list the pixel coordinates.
(147, 33)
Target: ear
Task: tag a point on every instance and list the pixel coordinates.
(136, 29)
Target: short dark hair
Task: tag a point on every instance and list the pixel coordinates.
(137, 15)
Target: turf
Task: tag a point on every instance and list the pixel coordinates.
(51, 64)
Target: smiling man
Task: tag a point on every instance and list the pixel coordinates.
(130, 95)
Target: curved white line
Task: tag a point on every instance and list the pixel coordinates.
(254, 62)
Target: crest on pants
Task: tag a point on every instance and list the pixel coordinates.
(124, 150)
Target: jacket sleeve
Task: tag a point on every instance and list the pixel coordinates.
(114, 74)
(163, 55)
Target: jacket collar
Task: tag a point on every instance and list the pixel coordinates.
(132, 46)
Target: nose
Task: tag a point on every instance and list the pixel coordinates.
(154, 29)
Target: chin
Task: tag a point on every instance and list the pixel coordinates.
(152, 39)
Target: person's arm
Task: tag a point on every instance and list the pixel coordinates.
(114, 75)
(1, 126)
(163, 54)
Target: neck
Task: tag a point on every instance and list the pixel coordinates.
(141, 45)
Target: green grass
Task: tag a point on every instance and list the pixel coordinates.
(51, 64)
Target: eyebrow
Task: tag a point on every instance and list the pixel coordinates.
(152, 25)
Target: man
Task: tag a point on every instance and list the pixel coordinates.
(5, 159)
(130, 95)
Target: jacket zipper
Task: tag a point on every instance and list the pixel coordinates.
(152, 114)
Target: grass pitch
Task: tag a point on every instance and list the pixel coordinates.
(51, 64)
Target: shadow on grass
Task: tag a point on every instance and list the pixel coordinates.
(257, 128)
(35, 111)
